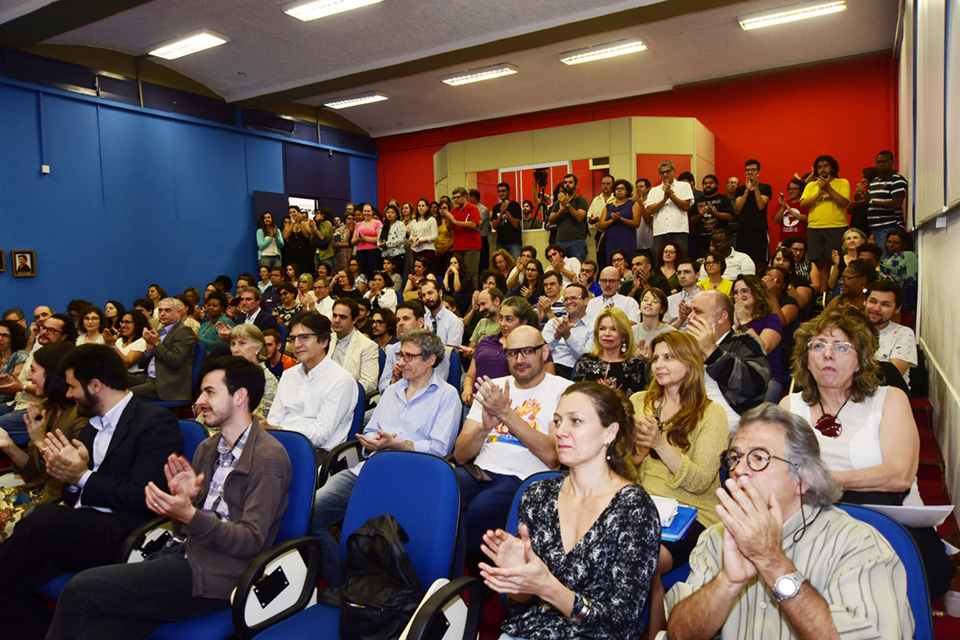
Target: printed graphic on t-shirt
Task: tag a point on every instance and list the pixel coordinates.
(529, 411)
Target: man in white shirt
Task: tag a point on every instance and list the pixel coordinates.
(324, 303)
(597, 206)
(316, 397)
(571, 336)
(443, 323)
(678, 305)
(508, 431)
(898, 344)
(666, 209)
(569, 268)
(737, 262)
(356, 353)
(409, 316)
(609, 283)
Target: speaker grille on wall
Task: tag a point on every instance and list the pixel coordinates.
(599, 163)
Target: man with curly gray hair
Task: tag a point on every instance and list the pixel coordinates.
(784, 562)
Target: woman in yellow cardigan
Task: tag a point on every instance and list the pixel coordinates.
(680, 435)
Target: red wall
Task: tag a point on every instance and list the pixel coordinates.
(785, 119)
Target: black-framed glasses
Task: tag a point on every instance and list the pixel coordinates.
(848, 278)
(5, 336)
(758, 459)
(527, 352)
(45, 329)
(126, 322)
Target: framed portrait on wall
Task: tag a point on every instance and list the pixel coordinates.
(23, 263)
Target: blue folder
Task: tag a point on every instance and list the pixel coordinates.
(680, 525)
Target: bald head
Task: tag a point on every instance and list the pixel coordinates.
(527, 370)
(41, 313)
(609, 281)
(715, 308)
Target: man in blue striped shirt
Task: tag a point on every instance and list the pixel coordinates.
(887, 193)
(421, 412)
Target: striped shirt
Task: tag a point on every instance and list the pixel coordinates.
(848, 562)
(894, 186)
(227, 459)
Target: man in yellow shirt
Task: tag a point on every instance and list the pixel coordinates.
(825, 198)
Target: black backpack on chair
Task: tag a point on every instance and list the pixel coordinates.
(382, 590)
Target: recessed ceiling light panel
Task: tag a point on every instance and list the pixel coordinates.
(190, 43)
(602, 51)
(482, 73)
(791, 13)
(356, 100)
(323, 8)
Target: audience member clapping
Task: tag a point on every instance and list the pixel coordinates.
(653, 306)
(128, 340)
(753, 314)
(113, 311)
(13, 354)
(612, 360)
(215, 331)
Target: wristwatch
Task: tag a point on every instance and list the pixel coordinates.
(787, 586)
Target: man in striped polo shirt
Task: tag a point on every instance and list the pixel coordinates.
(887, 193)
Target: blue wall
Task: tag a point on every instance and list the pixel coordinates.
(133, 197)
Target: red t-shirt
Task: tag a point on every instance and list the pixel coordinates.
(466, 239)
(790, 225)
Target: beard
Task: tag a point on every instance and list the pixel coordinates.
(710, 193)
(88, 406)
(569, 190)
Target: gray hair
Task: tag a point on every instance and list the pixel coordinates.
(254, 290)
(177, 305)
(251, 332)
(429, 343)
(801, 448)
(666, 163)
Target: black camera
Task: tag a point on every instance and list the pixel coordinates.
(541, 176)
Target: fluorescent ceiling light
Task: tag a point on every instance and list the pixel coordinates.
(191, 43)
(356, 100)
(602, 51)
(323, 8)
(482, 73)
(791, 14)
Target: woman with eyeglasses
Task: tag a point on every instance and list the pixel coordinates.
(92, 324)
(489, 357)
(128, 342)
(715, 265)
(868, 438)
(613, 360)
(680, 436)
(55, 411)
(858, 275)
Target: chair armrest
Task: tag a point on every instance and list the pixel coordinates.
(433, 606)
(145, 539)
(278, 582)
(340, 458)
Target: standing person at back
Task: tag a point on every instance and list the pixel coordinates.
(569, 213)
(505, 220)
(751, 207)
(887, 193)
(666, 209)
(826, 199)
(465, 221)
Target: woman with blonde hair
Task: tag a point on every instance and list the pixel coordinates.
(680, 436)
(246, 341)
(613, 360)
(502, 262)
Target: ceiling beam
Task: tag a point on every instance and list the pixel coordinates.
(499, 48)
(57, 18)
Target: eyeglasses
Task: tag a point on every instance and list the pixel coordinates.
(841, 348)
(528, 352)
(5, 336)
(758, 459)
(45, 329)
(848, 278)
(301, 337)
(408, 357)
(572, 298)
(126, 322)
(668, 171)
(609, 280)
(375, 321)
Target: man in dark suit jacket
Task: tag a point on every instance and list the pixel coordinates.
(250, 306)
(104, 473)
(168, 358)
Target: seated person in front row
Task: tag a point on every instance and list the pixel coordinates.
(103, 472)
(508, 431)
(316, 397)
(351, 349)
(421, 412)
(571, 336)
(581, 564)
(226, 508)
(409, 316)
(784, 562)
(167, 359)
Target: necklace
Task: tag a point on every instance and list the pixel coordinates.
(665, 424)
(829, 425)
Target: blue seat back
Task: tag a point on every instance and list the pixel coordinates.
(303, 484)
(282, 330)
(453, 375)
(419, 490)
(906, 549)
(513, 517)
(199, 353)
(357, 425)
(382, 360)
(193, 435)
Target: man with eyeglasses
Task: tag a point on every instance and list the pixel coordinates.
(751, 210)
(508, 432)
(609, 297)
(316, 397)
(571, 335)
(666, 208)
(421, 412)
(409, 317)
(784, 562)
(54, 328)
(736, 366)
(40, 314)
(465, 218)
(324, 303)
